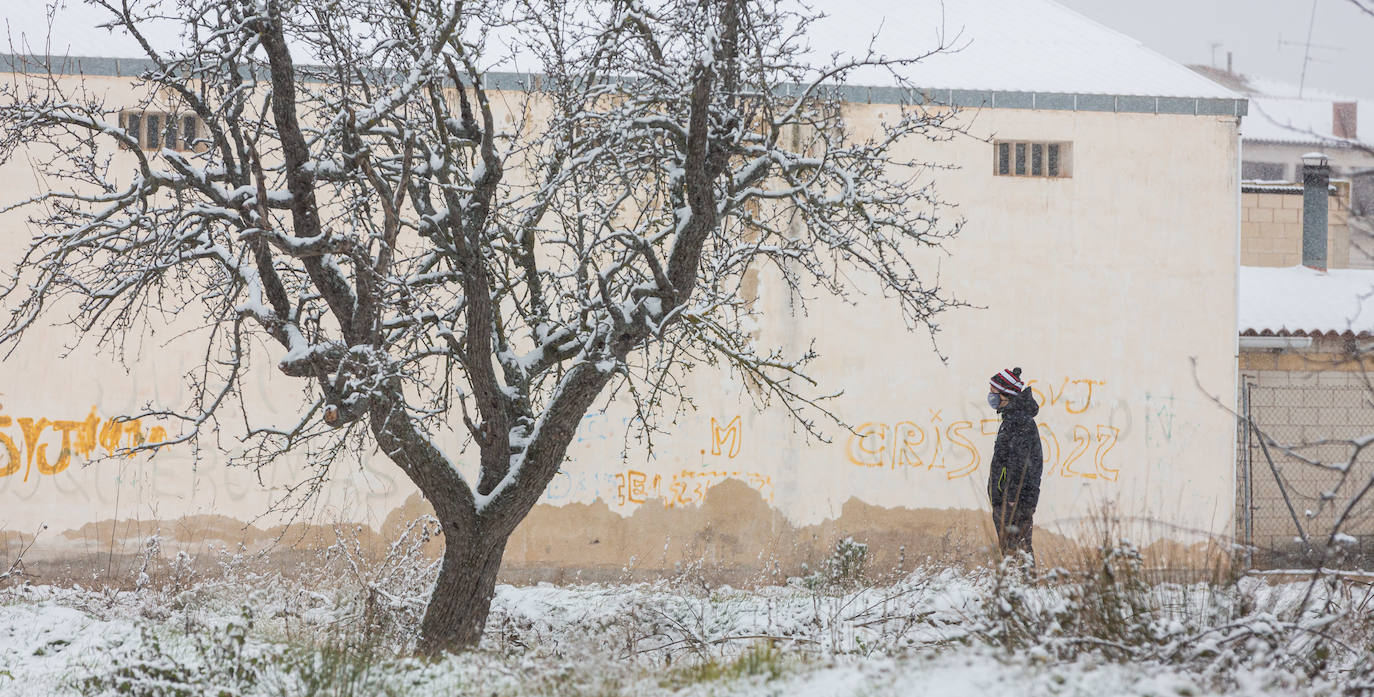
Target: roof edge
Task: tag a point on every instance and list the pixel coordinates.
(870, 94)
(1314, 333)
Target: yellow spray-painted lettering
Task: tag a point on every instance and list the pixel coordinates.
(955, 447)
(31, 429)
(64, 456)
(11, 465)
(719, 436)
(77, 437)
(684, 488)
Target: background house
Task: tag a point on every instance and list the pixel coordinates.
(1281, 127)
(1305, 322)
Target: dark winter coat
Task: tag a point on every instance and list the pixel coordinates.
(1016, 457)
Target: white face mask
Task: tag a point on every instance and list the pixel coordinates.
(994, 401)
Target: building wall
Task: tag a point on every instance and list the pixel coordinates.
(1309, 404)
(1088, 283)
(1343, 160)
(1271, 228)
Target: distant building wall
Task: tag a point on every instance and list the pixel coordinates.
(1271, 226)
(1288, 157)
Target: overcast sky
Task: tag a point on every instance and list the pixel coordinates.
(1265, 36)
(1252, 30)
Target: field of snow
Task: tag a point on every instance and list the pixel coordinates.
(348, 631)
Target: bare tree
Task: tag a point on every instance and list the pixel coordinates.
(427, 252)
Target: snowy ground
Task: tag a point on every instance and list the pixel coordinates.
(934, 632)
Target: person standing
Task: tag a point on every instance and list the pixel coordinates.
(1017, 460)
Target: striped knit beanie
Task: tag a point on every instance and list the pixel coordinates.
(1008, 382)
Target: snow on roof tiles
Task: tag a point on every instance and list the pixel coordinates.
(1002, 45)
(1300, 300)
(1013, 45)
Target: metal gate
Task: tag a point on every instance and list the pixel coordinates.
(1299, 473)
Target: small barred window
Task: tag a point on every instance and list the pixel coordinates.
(152, 130)
(1031, 159)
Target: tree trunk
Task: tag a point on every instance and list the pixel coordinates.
(458, 608)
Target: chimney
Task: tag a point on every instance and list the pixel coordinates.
(1344, 119)
(1316, 182)
(1228, 63)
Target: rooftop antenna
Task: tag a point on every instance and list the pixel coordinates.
(1307, 49)
(1215, 45)
(1307, 52)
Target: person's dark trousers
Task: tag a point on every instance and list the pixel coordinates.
(1014, 527)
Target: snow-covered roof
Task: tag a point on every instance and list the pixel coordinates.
(1023, 46)
(1013, 45)
(1297, 300)
(1292, 120)
(1278, 114)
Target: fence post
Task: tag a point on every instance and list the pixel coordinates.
(1247, 484)
(1283, 489)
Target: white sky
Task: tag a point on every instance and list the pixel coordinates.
(1252, 29)
(1183, 30)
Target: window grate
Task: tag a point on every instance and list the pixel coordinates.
(1032, 159)
(151, 130)
(133, 125)
(154, 131)
(188, 131)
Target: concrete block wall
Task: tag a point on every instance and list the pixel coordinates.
(1307, 413)
(1271, 229)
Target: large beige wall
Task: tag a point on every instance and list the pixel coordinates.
(1101, 286)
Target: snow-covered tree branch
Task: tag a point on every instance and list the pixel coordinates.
(425, 252)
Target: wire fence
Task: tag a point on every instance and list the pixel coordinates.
(1291, 491)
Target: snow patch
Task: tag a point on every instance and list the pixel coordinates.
(1299, 299)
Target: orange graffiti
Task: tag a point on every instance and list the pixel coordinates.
(110, 434)
(1084, 392)
(86, 437)
(719, 436)
(1081, 445)
(684, 488)
(1105, 443)
(954, 448)
(1084, 438)
(1088, 400)
(31, 430)
(631, 486)
(956, 437)
(903, 444)
(864, 438)
(10, 448)
(77, 438)
(690, 486)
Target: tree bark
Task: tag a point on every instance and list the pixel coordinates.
(458, 608)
